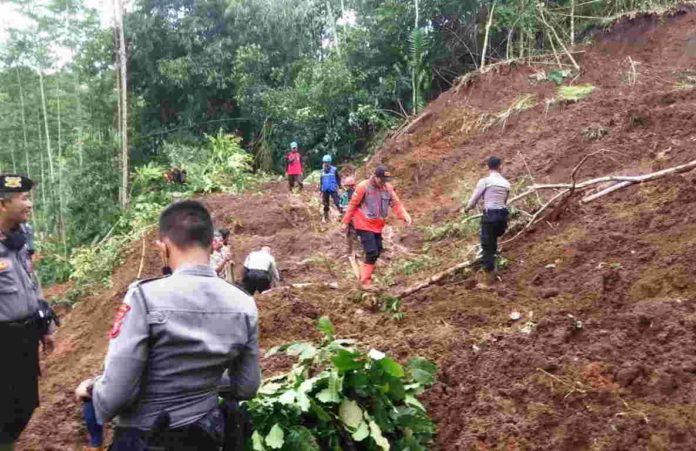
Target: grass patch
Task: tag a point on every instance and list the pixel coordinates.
(574, 93)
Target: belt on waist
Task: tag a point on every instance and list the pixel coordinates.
(22, 323)
(494, 209)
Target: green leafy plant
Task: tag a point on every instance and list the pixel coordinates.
(340, 396)
(574, 93)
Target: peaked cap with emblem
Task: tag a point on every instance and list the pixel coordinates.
(15, 183)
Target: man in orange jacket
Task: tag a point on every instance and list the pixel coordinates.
(368, 210)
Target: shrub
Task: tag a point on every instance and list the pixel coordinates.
(337, 396)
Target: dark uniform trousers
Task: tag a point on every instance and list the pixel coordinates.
(295, 179)
(493, 225)
(206, 434)
(326, 197)
(19, 389)
(256, 280)
(372, 245)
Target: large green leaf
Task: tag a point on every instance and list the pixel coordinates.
(350, 413)
(362, 432)
(376, 434)
(422, 370)
(345, 360)
(391, 367)
(300, 438)
(325, 326)
(257, 441)
(276, 438)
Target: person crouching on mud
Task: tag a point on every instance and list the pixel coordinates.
(494, 190)
(368, 210)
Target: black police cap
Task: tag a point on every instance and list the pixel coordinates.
(15, 183)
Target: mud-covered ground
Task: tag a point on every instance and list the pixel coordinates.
(602, 357)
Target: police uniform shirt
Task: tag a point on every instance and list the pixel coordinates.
(172, 339)
(19, 291)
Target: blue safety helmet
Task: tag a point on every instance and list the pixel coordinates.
(326, 159)
(293, 145)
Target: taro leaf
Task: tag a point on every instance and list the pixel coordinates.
(257, 442)
(307, 385)
(376, 355)
(345, 360)
(350, 413)
(362, 432)
(305, 350)
(325, 326)
(411, 400)
(377, 436)
(391, 367)
(287, 398)
(270, 388)
(301, 439)
(421, 370)
(303, 401)
(396, 389)
(327, 395)
(276, 437)
(277, 349)
(319, 411)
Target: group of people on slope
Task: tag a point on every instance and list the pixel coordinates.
(365, 208)
(183, 348)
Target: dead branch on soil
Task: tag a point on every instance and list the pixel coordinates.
(284, 288)
(439, 276)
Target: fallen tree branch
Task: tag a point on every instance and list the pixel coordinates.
(441, 275)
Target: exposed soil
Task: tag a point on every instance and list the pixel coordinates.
(602, 356)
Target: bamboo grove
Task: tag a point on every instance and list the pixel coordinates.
(334, 75)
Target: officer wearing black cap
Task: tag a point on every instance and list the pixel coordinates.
(25, 318)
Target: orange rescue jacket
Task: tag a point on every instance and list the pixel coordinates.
(369, 206)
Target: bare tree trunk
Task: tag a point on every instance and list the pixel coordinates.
(24, 126)
(485, 39)
(47, 133)
(118, 18)
(572, 22)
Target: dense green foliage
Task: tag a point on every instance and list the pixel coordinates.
(337, 396)
(330, 74)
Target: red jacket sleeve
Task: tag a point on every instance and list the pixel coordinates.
(355, 201)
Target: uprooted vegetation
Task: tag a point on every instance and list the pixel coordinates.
(585, 345)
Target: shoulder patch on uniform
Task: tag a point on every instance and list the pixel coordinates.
(137, 283)
(5, 264)
(121, 313)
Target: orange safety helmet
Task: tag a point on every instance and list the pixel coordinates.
(349, 181)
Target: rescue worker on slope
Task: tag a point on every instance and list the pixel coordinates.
(368, 210)
(494, 190)
(344, 200)
(293, 162)
(171, 342)
(260, 271)
(25, 318)
(328, 186)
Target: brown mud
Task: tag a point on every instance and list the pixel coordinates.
(602, 357)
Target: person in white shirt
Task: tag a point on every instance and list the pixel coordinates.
(260, 271)
(494, 190)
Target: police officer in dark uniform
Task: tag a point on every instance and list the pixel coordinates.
(172, 340)
(25, 318)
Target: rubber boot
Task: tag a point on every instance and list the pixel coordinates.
(485, 280)
(492, 277)
(366, 271)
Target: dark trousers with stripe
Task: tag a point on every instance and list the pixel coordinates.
(19, 383)
(493, 225)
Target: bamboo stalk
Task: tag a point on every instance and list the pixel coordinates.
(485, 39)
